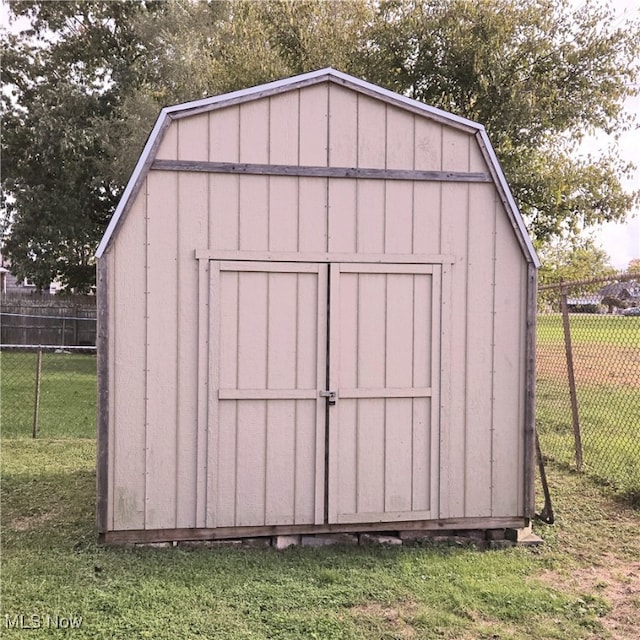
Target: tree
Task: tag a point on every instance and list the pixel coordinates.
(634, 266)
(539, 76)
(98, 73)
(570, 260)
(66, 76)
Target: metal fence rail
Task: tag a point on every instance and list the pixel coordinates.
(588, 378)
(48, 391)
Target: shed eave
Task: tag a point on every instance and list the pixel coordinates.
(138, 175)
(314, 77)
(512, 208)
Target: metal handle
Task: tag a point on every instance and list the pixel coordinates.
(330, 395)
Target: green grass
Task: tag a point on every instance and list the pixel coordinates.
(51, 565)
(68, 394)
(610, 429)
(590, 329)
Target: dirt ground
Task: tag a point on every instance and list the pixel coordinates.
(595, 364)
(618, 583)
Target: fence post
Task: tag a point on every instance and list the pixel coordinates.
(36, 407)
(572, 380)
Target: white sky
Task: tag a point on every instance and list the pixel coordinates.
(620, 241)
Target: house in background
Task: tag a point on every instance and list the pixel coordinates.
(620, 295)
(10, 284)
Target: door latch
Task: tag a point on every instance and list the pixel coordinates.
(330, 395)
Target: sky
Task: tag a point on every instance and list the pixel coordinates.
(621, 241)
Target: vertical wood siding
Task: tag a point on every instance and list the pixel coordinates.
(381, 428)
(270, 366)
(162, 472)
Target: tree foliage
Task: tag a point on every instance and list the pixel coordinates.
(66, 76)
(88, 78)
(571, 260)
(539, 76)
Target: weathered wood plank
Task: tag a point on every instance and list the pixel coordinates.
(400, 135)
(281, 393)
(128, 322)
(398, 449)
(162, 341)
(530, 394)
(343, 127)
(509, 367)
(102, 462)
(398, 218)
(443, 524)
(370, 231)
(254, 131)
(193, 227)
(280, 463)
(376, 263)
(371, 122)
(387, 392)
(319, 171)
(314, 126)
(203, 392)
(455, 203)
(284, 135)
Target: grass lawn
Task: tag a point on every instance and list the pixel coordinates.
(67, 400)
(590, 329)
(51, 566)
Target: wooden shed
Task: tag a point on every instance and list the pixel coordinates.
(316, 314)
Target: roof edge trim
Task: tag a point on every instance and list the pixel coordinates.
(512, 208)
(138, 174)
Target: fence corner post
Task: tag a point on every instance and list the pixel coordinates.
(572, 380)
(36, 406)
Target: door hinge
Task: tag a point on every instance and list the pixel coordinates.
(330, 395)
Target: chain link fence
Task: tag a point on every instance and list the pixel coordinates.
(588, 378)
(47, 391)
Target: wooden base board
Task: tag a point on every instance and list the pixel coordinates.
(222, 533)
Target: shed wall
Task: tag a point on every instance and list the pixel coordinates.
(159, 462)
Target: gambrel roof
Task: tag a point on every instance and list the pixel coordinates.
(168, 114)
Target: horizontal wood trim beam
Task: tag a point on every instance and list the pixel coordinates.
(318, 172)
(294, 257)
(421, 392)
(267, 394)
(224, 533)
(389, 516)
(411, 269)
(271, 267)
(312, 394)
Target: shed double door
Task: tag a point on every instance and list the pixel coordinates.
(323, 393)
